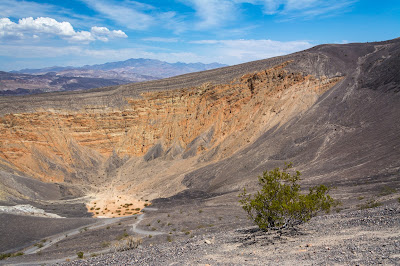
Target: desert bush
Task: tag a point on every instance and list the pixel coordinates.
(105, 244)
(38, 245)
(80, 254)
(10, 255)
(386, 190)
(279, 203)
(127, 244)
(369, 204)
(124, 235)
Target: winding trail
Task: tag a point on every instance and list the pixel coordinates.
(144, 232)
(100, 223)
(57, 238)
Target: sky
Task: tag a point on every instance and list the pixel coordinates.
(43, 33)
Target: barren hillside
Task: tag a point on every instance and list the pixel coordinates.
(193, 141)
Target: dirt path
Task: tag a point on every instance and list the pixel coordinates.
(144, 232)
(50, 241)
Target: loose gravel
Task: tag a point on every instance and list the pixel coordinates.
(364, 237)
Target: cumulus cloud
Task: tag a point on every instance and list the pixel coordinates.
(103, 34)
(34, 28)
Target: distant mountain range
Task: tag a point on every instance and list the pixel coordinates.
(31, 81)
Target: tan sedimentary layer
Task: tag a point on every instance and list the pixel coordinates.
(46, 144)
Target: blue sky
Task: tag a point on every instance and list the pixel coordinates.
(35, 34)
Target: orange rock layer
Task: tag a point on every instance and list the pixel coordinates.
(52, 144)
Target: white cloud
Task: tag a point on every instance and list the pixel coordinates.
(128, 13)
(14, 8)
(137, 16)
(24, 9)
(213, 12)
(33, 28)
(103, 34)
(239, 51)
(300, 8)
(159, 39)
(206, 51)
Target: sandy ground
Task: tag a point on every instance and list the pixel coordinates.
(110, 204)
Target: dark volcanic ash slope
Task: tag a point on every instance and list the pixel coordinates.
(349, 138)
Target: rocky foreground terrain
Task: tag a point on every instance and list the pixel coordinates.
(187, 146)
(367, 237)
(363, 237)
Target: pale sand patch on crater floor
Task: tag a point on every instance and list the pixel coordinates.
(27, 210)
(110, 204)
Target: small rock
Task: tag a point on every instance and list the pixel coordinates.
(207, 242)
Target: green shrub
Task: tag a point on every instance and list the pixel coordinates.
(38, 245)
(124, 235)
(369, 204)
(279, 204)
(128, 243)
(5, 255)
(80, 254)
(105, 244)
(10, 255)
(386, 190)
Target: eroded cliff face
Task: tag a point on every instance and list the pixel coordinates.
(207, 123)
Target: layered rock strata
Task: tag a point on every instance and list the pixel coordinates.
(210, 121)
